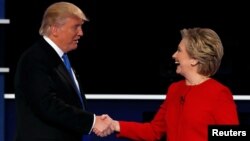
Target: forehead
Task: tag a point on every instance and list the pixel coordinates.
(182, 44)
(73, 21)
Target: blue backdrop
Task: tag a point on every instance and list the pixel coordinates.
(133, 110)
(1, 76)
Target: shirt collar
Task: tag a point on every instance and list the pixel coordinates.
(54, 46)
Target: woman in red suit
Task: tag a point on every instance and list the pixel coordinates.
(193, 103)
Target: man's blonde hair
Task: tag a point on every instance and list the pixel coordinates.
(57, 13)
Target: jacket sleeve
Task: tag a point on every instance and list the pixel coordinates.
(153, 130)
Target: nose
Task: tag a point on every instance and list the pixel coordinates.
(174, 55)
(80, 32)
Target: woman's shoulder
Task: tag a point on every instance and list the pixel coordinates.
(215, 84)
(217, 88)
(177, 83)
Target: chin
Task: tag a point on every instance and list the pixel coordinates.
(74, 48)
(178, 71)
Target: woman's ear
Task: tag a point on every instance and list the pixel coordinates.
(194, 62)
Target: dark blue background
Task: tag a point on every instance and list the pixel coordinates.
(134, 110)
(131, 110)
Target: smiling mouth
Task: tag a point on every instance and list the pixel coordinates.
(177, 63)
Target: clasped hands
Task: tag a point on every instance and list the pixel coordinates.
(105, 125)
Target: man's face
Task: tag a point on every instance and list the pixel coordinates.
(69, 34)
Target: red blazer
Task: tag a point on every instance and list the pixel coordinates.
(186, 113)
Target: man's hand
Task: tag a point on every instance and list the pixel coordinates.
(103, 126)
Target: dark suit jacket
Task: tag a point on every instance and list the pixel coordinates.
(48, 107)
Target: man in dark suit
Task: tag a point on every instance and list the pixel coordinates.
(50, 102)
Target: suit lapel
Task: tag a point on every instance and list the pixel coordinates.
(61, 70)
(65, 77)
(57, 64)
(80, 87)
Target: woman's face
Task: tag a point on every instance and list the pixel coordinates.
(185, 64)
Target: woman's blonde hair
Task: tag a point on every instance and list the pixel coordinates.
(204, 45)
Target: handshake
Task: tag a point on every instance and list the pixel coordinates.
(104, 126)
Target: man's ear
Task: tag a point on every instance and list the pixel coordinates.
(54, 30)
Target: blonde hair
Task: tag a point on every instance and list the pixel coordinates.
(204, 45)
(57, 13)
